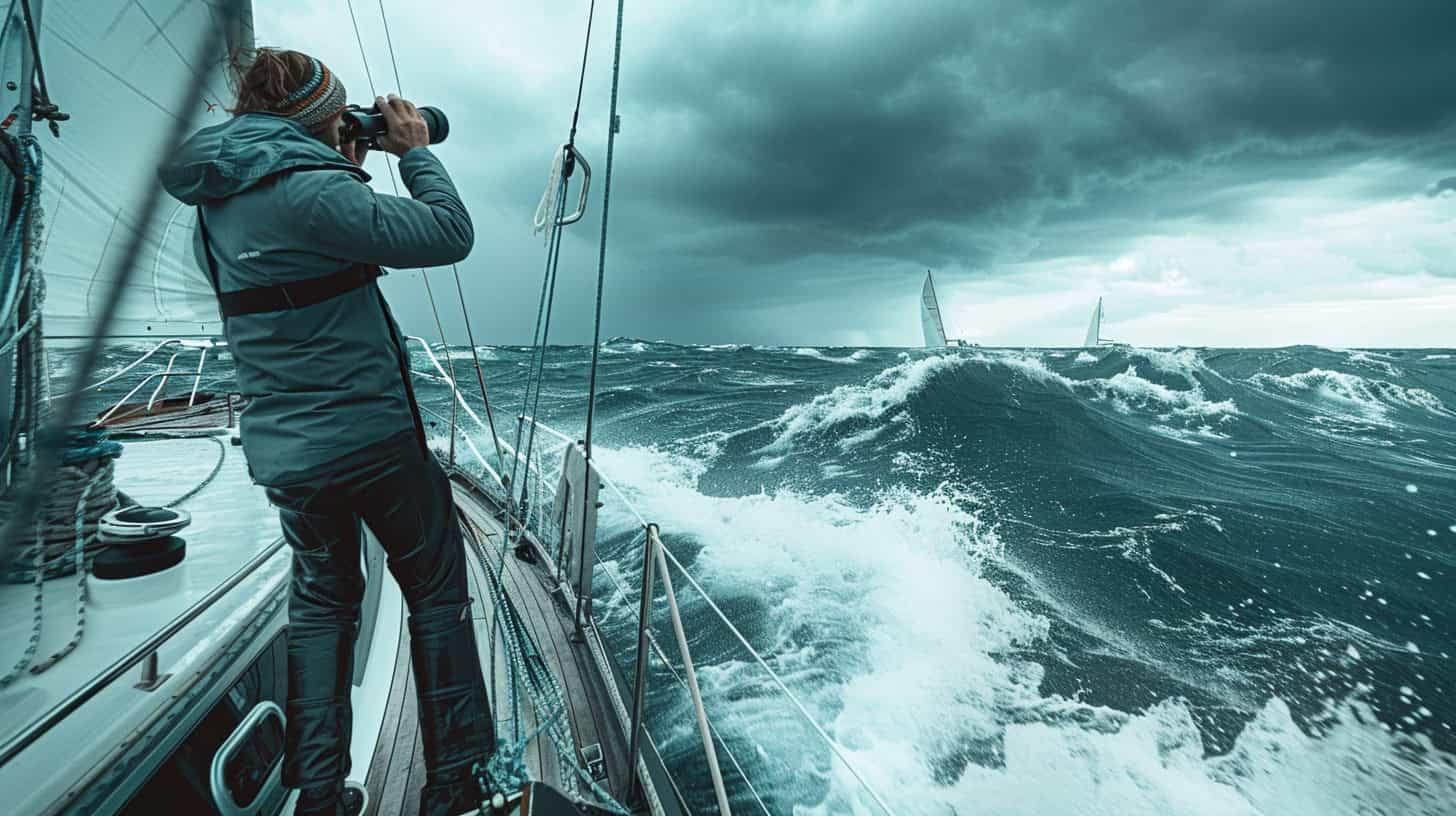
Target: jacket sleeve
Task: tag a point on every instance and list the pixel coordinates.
(350, 220)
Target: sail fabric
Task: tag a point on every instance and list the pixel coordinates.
(930, 322)
(1094, 329)
(119, 68)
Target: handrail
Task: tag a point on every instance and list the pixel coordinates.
(655, 544)
(152, 400)
(114, 408)
(138, 361)
(644, 636)
(141, 652)
(197, 380)
(773, 675)
(664, 553)
(182, 341)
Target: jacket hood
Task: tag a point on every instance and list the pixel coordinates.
(226, 159)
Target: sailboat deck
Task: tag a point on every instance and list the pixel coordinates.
(396, 771)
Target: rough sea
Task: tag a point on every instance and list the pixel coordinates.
(1116, 581)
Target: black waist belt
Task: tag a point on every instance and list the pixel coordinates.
(296, 294)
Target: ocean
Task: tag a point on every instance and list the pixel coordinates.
(1121, 580)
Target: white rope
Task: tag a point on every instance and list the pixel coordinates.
(543, 219)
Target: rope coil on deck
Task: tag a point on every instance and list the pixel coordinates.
(81, 494)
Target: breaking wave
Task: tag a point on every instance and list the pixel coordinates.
(1135, 581)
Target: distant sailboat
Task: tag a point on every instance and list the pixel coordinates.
(1094, 329)
(930, 320)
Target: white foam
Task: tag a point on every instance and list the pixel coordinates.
(1184, 362)
(1372, 359)
(890, 389)
(1084, 358)
(1350, 395)
(818, 354)
(1190, 436)
(1127, 389)
(884, 392)
(881, 620)
(624, 347)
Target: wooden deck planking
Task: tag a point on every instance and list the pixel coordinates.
(387, 791)
(538, 756)
(396, 772)
(551, 622)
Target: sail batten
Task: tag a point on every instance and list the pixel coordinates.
(930, 320)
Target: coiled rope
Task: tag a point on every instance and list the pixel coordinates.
(82, 492)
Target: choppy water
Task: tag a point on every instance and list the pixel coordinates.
(1128, 581)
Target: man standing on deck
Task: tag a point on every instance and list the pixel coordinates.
(293, 238)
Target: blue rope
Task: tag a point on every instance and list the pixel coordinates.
(32, 162)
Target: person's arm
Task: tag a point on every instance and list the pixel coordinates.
(350, 220)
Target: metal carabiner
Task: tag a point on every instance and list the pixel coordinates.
(574, 155)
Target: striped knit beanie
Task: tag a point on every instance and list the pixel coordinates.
(317, 100)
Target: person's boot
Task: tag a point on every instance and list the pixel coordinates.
(455, 722)
(320, 717)
(339, 799)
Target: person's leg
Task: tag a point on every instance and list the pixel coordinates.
(323, 619)
(410, 507)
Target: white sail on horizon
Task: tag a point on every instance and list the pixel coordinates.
(1094, 329)
(119, 68)
(930, 320)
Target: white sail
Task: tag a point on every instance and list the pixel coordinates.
(930, 322)
(1094, 329)
(119, 68)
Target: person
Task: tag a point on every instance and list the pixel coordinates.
(293, 237)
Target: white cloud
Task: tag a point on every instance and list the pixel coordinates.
(1313, 263)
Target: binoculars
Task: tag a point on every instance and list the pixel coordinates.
(368, 124)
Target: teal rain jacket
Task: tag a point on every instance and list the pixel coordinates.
(324, 381)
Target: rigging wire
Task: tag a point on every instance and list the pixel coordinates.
(459, 290)
(554, 246)
(543, 326)
(394, 183)
(591, 397)
(581, 80)
(554, 721)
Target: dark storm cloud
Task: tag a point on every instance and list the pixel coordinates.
(945, 133)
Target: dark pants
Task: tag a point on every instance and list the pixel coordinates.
(404, 497)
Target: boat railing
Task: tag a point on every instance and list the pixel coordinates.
(161, 377)
(143, 654)
(658, 562)
(658, 557)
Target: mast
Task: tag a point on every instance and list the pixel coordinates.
(18, 364)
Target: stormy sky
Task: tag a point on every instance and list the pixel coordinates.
(1240, 172)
